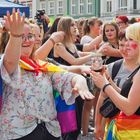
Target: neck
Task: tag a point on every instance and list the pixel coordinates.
(114, 43)
(92, 35)
(131, 64)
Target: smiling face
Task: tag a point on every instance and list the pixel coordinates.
(122, 25)
(129, 49)
(27, 42)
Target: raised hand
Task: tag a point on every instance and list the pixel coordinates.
(15, 22)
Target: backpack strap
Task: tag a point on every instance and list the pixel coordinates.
(116, 67)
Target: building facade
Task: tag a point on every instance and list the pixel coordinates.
(74, 8)
(106, 9)
(112, 8)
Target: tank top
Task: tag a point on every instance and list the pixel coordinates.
(127, 86)
(64, 62)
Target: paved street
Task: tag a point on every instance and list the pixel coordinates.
(90, 137)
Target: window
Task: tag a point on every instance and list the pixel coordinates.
(73, 7)
(81, 6)
(60, 7)
(43, 5)
(51, 7)
(109, 6)
(123, 4)
(135, 4)
(89, 6)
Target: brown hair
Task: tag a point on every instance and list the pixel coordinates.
(90, 22)
(64, 25)
(105, 39)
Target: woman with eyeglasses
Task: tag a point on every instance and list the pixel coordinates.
(28, 110)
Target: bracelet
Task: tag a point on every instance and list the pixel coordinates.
(53, 42)
(16, 35)
(105, 86)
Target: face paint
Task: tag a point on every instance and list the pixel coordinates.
(134, 45)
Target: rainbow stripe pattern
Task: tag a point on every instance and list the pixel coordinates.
(66, 114)
(124, 128)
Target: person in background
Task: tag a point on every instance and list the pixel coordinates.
(110, 45)
(28, 110)
(122, 22)
(91, 29)
(126, 124)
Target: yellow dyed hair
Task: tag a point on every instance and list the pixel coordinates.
(133, 32)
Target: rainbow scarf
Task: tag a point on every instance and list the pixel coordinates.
(124, 128)
(66, 114)
(0, 94)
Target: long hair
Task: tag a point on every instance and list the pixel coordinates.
(64, 25)
(105, 39)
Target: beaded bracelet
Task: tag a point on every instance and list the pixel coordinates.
(16, 35)
(105, 86)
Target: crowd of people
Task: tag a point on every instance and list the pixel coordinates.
(38, 65)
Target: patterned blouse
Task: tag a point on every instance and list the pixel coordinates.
(28, 97)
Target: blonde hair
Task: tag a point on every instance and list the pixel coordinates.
(133, 32)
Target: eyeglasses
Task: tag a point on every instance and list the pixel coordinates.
(30, 37)
(119, 23)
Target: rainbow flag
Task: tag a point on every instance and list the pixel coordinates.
(0, 94)
(66, 114)
(124, 128)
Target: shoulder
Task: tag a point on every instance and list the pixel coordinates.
(85, 39)
(59, 46)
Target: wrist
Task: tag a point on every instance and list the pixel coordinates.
(105, 86)
(16, 35)
(52, 40)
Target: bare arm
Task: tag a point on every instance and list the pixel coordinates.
(45, 49)
(93, 45)
(127, 105)
(80, 69)
(12, 51)
(61, 51)
(98, 119)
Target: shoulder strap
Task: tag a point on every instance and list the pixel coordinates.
(134, 72)
(116, 67)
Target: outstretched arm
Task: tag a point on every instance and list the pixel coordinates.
(12, 51)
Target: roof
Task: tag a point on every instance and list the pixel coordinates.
(6, 5)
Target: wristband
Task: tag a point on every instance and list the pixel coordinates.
(16, 35)
(52, 40)
(105, 86)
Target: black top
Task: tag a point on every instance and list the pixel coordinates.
(127, 86)
(110, 59)
(64, 62)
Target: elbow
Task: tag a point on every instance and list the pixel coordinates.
(129, 111)
(10, 66)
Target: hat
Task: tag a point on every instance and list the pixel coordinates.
(123, 18)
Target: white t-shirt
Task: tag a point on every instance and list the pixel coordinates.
(86, 39)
